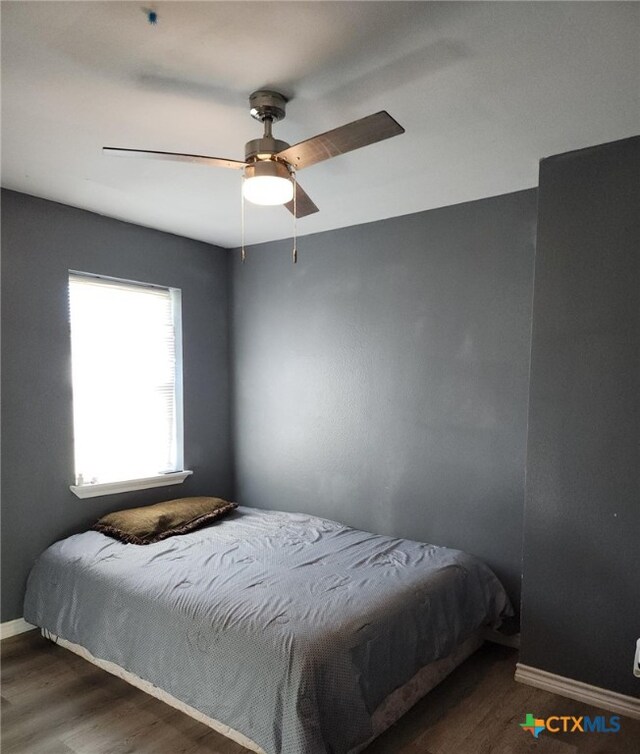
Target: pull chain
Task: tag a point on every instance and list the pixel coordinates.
(243, 254)
(295, 219)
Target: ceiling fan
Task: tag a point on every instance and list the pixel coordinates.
(270, 164)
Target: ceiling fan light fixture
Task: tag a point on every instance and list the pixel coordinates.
(267, 182)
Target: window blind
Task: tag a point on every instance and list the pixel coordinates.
(126, 386)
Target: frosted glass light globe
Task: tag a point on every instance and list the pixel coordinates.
(267, 182)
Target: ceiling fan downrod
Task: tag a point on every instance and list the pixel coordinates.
(267, 107)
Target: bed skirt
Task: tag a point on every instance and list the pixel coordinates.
(388, 712)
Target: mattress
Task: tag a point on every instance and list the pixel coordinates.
(290, 629)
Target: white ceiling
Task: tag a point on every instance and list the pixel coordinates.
(484, 90)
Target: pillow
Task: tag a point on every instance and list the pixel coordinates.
(152, 523)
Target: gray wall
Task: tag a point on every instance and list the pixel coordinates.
(382, 381)
(41, 241)
(581, 597)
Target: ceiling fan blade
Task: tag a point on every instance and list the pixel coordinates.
(304, 204)
(354, 135)
(218, 162)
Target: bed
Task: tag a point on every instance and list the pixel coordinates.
(290, 633)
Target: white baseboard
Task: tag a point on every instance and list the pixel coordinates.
(628, 706)
(14, 627)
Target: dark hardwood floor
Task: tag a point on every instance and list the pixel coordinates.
(53, 702)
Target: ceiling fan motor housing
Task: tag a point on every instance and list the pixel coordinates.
(263, 149)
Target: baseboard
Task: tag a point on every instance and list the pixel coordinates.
(628, 706)
(14, 627)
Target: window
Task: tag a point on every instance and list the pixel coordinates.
(127, 384)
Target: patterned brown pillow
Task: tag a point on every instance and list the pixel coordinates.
(152, 523)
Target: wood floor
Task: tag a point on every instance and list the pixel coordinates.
(53, 702)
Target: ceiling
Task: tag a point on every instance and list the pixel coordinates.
(483, 89)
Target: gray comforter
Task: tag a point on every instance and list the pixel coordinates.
(288, 628)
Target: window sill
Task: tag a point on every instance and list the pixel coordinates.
(129, 485)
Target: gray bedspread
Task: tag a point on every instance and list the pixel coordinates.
(288, 628)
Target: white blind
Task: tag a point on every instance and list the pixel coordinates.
(125, 382)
